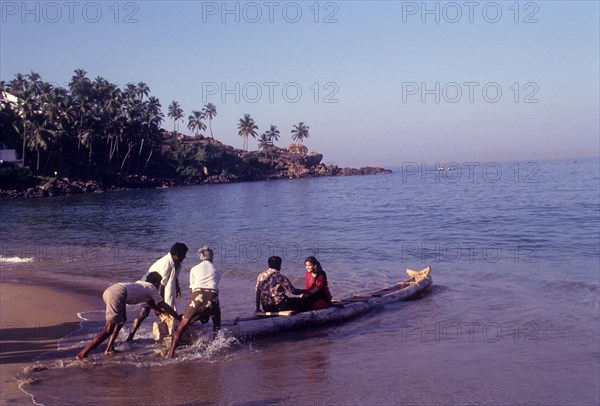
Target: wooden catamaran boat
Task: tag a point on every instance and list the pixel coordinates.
(260, 324)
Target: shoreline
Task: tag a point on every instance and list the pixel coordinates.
(33, 318)
(63, 186)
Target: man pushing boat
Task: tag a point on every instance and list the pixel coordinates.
(204, 300)
(168, 267)
(116, 298)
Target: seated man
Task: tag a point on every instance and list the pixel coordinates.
(116, 297)
(204, 298)
(271, 288)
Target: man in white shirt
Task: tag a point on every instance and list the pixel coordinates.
(116, 298)
(168, 267)
(204, 301)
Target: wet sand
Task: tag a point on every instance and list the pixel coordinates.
(33, 319)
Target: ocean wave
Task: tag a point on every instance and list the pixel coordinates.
(580, 286)
(144, 351)
(206, 347)
(15, 260)
(586, 293)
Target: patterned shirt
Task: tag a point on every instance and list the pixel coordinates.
(272, 286)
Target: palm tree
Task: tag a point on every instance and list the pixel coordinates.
(264, 143)
(29, 90)
(35, 82)
(210, 111)
(18, 84)
(176, 113)
(116, 121)
(154, 118)
(82, 92)
(300, 132)
(64, 117)
(79, 82)
(195, 122)
(135, 123)
(246, 127)
(25, 109)
(49, 132)
(272, 134)
(39, 138)
(142, 90)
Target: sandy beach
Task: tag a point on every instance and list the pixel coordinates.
(33, 319)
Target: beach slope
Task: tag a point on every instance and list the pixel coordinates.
(33, 319)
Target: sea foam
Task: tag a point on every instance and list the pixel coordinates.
(15, 260)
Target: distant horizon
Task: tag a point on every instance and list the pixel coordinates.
(206, 134)
(378, 84)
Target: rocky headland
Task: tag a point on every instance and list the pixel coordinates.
(227, 165)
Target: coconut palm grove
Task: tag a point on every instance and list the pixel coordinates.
(95, 130)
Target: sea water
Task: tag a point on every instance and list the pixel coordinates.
(512, 317)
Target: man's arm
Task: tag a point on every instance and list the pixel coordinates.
(162, 307)
(165, 271)
(287, 285)
(257, 300)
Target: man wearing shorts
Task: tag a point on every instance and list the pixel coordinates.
(168, 267)
(116, 298)
(204, 301)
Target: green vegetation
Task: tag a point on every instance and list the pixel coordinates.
(15, 178)
(247, 127)
(300, 132)
(96, 130)
(90, 129)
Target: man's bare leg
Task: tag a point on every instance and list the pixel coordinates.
(144, 312)
(111, 342)
(185, 322)
(99, 339)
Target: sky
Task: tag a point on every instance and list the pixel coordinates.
(378, 83)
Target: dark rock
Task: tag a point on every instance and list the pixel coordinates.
(232, 165)
(313, 159)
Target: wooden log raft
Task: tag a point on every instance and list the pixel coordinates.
(264, 323)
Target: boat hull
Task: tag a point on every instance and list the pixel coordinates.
(342, 310)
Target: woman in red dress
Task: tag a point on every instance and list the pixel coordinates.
(317, 294)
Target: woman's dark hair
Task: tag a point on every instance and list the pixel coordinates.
(314, 261)
(320, 270)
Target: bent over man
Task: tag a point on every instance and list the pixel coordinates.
(119, 295)
(168, 267)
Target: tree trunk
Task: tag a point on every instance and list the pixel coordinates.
(90, 162)
(137, 169)
(148, 160)
(24, 138)
(126, 155)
